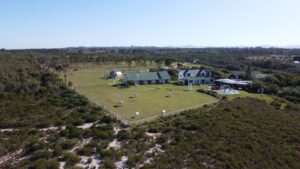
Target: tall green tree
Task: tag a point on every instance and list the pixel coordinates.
(129, 63)
(158, 63)
(248, 73)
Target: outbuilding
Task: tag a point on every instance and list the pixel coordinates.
(233, 83)
(115, 73)
(141, 78)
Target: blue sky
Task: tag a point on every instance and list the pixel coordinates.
(64, 23)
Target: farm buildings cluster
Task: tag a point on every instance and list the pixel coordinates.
(138, 78)
(188, 77)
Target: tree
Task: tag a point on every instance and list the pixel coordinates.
(152, 62)
(179, 65)
(248, 73)
(297, 58)
(129, 63)
(116, 62)
(168, 62)
(144, 64)
(139, 62)
(158, 63)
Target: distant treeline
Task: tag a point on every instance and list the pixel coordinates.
(230, 58)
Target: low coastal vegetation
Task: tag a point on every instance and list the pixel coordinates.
(46, 124)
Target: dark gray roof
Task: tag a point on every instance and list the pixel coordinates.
(192, 72)
(131, 76)
(134, 76)
(195, 73)
(147, 76)
(164, 75)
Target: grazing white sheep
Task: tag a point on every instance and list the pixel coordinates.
(120, 103)
(169, 94)
(163, 112)
(134, 95)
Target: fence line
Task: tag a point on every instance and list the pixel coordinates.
(126, 122)
(172, 113)
(113, 113)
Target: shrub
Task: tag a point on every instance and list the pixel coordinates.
(45, 164)
(130, 82)
(70, 158)
(209, 92)
(103, 134)
(71, 132)
(92, 118)
(46, 154)
(57, 150)
(123, 135)
(67, 144)
(109, 164)
(89, 160)
(153, 129)
(133, 159)
(276, 103)
(111, 154)
(87, 151)
(106, 119)
(35, 145)
(70, 83)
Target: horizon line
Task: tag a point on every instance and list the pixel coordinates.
(167, 46)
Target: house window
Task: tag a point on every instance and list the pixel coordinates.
(188, 74)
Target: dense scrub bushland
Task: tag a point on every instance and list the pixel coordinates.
(34, 97)
(243, 133)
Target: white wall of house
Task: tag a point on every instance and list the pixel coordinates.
(115, 74)
(203, 77)
(118, 73)
(203, 73)
(181, 74)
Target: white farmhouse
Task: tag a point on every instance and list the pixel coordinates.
(195, 77)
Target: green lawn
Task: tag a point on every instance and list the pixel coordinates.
(150, 100)
(264, 97)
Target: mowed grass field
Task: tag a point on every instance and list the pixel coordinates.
(265, 97)
(150, 100)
